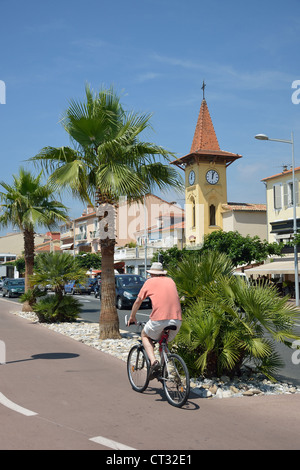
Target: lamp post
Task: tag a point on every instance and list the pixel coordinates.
(265, 137)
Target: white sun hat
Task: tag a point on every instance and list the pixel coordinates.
(157, 268)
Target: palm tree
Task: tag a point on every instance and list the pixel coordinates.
(108, 161)
(28, 204)
(57, 269)
(226, 322)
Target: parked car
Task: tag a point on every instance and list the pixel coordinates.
(1, 284)
(74, 287)
(13, 287)
(127, 289)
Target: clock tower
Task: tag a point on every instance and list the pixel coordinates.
(205, 179)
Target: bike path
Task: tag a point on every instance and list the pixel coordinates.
(57, 393)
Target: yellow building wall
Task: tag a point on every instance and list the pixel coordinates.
(204, 195)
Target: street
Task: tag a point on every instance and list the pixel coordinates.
(57, 393)
(290, 357)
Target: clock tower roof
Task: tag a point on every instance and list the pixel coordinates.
(204, 137)
(205, 143)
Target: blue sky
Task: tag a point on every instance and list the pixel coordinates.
(156, 53)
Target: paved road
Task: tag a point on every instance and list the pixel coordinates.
(290, 371)
(57, 393)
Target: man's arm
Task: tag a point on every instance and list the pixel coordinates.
(134, 310)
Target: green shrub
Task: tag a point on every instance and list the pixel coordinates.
(55, 309)
(226, 322)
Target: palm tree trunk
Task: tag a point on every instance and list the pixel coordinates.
(109, 320)
(28, 236)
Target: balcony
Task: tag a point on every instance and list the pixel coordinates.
(81, 237)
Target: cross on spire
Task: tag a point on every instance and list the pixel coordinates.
(203, 88)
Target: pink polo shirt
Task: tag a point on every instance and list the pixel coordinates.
(164, 297)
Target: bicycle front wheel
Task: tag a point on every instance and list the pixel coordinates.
(138, 368)
(176, 380)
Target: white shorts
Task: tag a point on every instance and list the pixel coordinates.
(154, 329)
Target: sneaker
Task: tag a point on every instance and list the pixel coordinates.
(154, 370)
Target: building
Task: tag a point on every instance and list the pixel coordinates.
(7, 271)
(50, 244)
(206, 205)
(132, 222)
(13, 243)
(247, 219)
(279, 189)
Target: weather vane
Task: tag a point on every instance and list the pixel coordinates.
(203, 88)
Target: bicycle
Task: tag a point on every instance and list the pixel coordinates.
(173, 374)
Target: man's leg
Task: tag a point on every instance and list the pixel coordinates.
(148, 345)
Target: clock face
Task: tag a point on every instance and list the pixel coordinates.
(212, 177)
(192, 177)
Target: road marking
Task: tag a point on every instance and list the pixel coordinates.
(109, 443)
(13, 406)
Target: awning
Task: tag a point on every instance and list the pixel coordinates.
(277, 267)
(67, 246)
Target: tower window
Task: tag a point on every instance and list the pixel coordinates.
(212, 215)
(193, 212)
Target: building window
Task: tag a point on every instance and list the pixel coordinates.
(212, 215)
(193, 212)
(288, 194)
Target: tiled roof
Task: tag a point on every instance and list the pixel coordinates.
(285, 172)
(205, 143)
(205, 137)
(244, 206)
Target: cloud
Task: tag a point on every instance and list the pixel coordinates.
(231, 76)
(145, 77)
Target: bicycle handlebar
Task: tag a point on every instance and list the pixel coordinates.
(139, 323)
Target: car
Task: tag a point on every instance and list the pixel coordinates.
(74, 287)
(13, 287)
(127, 289)
(1, 284)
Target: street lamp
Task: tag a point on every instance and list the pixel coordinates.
(265, 137)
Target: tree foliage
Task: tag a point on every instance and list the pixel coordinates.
(240, 249)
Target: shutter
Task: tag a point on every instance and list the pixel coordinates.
(277, 196)
(285, 195)
(297, 192)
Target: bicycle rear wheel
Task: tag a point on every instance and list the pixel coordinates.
(176, 380)
(138, 368)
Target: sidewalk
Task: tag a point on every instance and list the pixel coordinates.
(76, 393)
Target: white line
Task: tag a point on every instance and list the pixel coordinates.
(109, 443)
(13, 406)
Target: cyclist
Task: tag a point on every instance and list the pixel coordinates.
(166, 310)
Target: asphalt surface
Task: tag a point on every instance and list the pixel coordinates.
(59, 394)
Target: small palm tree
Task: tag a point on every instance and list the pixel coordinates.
(28, 204)
(227, 322)
(109, 161)
(57, 269)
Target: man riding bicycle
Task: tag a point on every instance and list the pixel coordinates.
(166, 310)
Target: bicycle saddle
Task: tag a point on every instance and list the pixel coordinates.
(170, 327)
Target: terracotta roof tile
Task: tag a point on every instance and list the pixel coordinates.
(244, 206)
(205, 137)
